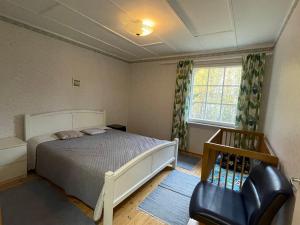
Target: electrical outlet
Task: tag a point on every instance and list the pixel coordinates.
(75, 82)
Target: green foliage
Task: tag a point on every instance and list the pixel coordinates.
(215, 93)
(181, 102)
(250, 92)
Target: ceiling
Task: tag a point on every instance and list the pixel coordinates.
(181, 26)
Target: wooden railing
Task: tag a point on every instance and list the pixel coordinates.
(232, 150)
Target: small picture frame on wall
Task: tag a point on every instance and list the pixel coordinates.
(75, 82)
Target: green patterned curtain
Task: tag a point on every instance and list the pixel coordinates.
(181, 103)
(248, 107)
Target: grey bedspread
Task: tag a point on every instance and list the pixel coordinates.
(78, 165)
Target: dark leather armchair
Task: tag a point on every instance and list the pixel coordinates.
(262, 195)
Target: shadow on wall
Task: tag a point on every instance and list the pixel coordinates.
(266, 92)
(19, 126)
(285, 214)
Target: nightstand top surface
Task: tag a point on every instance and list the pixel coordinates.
(11, 142)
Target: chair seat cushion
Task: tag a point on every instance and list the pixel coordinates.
(217, 205)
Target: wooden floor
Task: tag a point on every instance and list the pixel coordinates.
(126, 213)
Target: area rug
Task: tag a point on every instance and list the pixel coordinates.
(186, 161)
(169, 202)
(237, 178)
(37, 202)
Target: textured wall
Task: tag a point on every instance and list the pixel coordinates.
(36, 76)
(282, 125)
(151, 99)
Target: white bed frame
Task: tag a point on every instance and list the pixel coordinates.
(124, 181)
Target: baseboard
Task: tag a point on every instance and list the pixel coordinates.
(193, 153)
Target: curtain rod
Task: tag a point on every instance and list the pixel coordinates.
(219, 56)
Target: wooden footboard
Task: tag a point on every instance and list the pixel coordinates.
(227, 146)
(123, 182)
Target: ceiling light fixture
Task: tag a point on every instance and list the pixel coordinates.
(140, 27)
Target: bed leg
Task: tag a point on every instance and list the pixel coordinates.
(174, 163)
(108, 199)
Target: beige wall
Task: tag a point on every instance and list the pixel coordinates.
(151, 99)
(151, 96)
(282, 125)
(36, 76)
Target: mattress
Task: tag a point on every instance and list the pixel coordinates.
(79, 165)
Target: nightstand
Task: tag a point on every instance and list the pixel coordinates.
(117, 127)
(13, 158)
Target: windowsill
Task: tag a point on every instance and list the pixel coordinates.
(202, 124)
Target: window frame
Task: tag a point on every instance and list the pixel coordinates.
(210, 122)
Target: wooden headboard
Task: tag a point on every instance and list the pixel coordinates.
(47, 123)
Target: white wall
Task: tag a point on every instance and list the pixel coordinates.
(36, 76)
(151, 99)
(282, 125)
(152, 87)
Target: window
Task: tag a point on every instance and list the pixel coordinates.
(214, 95)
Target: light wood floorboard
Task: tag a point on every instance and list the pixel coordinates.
(126, 213)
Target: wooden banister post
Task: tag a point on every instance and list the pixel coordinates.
(204, 167)
(1, 220)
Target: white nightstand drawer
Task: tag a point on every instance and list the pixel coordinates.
(13, 170)
(12, 155)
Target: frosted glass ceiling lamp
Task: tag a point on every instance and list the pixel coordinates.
(140, 28)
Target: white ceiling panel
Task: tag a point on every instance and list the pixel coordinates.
(218, 41)
(81, 24)
(204, 17)
(36, 6)
(32, 19)
(181, 26)
(259, 21)
(161, 49)
(109, 15)
(168, 26)
(167, 23)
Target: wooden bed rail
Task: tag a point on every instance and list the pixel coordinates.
(230, 149)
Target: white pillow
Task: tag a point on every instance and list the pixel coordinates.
(68, 134)
(93, 131)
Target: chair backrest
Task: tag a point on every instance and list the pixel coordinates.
(264, 192)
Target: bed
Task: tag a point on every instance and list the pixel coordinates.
(101, 170)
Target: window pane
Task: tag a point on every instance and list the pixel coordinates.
(212, 112)
(200, 76)
(197, 110)
(233, 75)
(216, 75)
(214, 94)
(228, 113)
(230, 95)
(199, 93)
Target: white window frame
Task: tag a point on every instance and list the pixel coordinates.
(209, 122)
